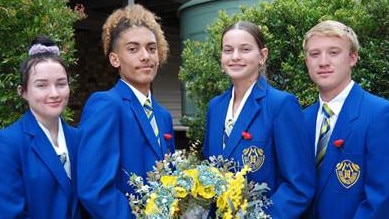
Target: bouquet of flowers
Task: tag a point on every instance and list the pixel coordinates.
(183, 186)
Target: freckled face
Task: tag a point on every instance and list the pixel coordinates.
(241, 56)
(329, 62)
(47, 91)
(136, 57)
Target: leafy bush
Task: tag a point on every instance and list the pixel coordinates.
(21, 21)
(284, 23)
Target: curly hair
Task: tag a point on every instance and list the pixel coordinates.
(135, 15)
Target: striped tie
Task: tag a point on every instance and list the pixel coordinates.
(62, 158)
(227, 131)
(66, 165)
(150, 115)
(325, 132)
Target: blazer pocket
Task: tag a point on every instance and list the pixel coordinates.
(257, 155)
(349, 174)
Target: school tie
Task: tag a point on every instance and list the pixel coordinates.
(150, 115)
(66, 165)
(324, 134)
(227, 131)
(62, 158)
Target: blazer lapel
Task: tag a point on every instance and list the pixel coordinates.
(217, 119)
(72, 142)
(310, 116)
(249, 112)
(342, 130)
(43, 148)
(161, 126)
(140, 115)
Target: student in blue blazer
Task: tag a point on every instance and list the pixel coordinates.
(38, 152)
(267, 132)
(353, 170)
(118, 137)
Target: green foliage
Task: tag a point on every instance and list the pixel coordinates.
(21, 21)
(284, 23)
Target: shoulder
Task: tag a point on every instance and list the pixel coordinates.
(277, 95)
(102, 101)
(12, 137)
(277, 99)
(367, 101)
(161, 109)
(375, 100)
(69, 128)
(225, 96)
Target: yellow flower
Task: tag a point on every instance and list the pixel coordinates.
(168, 180)
(151, 207)
(215, 170)
(174, 208)
(194, 174)
(207, 192)
(244, 205)
(227, 216)
(233, 199)
(221, 201)
(181, 192)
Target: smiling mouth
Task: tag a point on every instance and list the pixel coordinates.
(146, 67)
(236, 66)
(54, 103)
(324, 72)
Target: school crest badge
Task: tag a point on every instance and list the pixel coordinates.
(348, 173)
(253, 157)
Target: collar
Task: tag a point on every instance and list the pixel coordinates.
(337, 102)
(230, 115)
(139, 95)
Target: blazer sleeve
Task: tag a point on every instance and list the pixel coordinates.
(12, 195)
(99, 157)
(295, 160)
(376, 185)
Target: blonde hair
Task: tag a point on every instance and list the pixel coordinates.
(333, 28)
(135, 15)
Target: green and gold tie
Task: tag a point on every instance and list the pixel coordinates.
(227, 131)
(324, 136)
(150, 115)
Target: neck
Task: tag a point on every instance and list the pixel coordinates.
(52, 126)
(328, 94)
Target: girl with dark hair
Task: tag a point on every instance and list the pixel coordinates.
(38, 151)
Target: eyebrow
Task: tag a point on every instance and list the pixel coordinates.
(137, 43)
(45, 80)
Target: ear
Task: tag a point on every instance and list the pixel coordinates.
(114, 59)
(353, 59)
(21, 91)
(264, 53)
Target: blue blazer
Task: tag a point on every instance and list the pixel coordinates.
(33, 181)
(354, 177)
(117, 140)
(278, 150)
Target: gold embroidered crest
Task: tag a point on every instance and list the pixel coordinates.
(348, 173)
(253, 157)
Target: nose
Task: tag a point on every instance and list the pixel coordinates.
(323, 59)
(53, 91)
(236, 54)
(144, 54)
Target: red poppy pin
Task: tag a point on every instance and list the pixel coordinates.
(338, 143)
(247, 136)
(167, 136)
